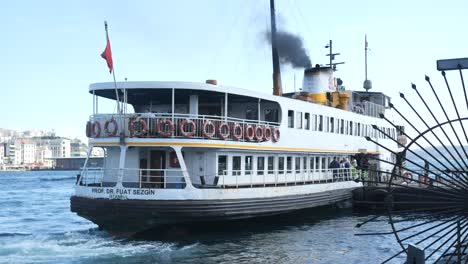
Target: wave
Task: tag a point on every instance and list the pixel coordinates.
(57, 178)
(14, 234)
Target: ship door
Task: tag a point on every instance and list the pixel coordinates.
(157, 166)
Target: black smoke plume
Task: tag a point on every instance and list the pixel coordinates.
(290, 49)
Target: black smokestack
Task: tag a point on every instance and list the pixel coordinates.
(291, 49)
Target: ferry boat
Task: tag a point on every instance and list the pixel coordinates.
(194, 152)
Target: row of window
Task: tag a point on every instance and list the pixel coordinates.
(335, 125)
(259, 165)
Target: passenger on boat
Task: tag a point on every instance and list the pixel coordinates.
(334, 165)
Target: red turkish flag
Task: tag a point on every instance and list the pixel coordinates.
(107, 55)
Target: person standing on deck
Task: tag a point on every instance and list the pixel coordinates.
(334, 165)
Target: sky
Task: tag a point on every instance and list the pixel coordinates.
(50, 50)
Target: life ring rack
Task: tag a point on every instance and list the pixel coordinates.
(408, 177)
(209, 129)
(276, 135)
(186, 133)
(267, 133)
(142, 125)
(259, 133)
(249, 132)
(165, 123)
(115, 125)
(223, 134)
(95, 129)
(237, 131)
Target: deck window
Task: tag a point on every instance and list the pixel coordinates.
(298, 119)
(304, 164)
(317, 163)
(291, 118)
(351, 128)
(260, 165)
(271, 115)
(297, 164)
(248, 165)
(307, 121)
(251, 114)
(288, 164)
(222, 165)
(324, 164)
(312, 164)
(342, 127)
(271, 165)
(359, 129)
(236, 165)
(281, 165)
(320, 123)
(332, 125)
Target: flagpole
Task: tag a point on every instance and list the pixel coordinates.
(113, 73)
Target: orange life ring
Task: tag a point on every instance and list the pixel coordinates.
(276, 135)
(88, 129)
(223, 134)
(106, 128)
(259, 133)
(408, 177)
(95, 129)
(209, 133)
(237, 131)
(187, 133)
(249, 132)
(138, 124)
(165, 123)
(267, 133)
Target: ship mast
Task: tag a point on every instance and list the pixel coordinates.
(277, 89)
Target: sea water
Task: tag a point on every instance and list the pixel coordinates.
(36, 226)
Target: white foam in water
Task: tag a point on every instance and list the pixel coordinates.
(73, 245)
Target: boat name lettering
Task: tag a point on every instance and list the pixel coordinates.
(116, 193)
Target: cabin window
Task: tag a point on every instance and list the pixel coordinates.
(317, 163)
(298, 119)
(337, 130)
(324, 164)
(236, 165)
(288, 164)
(281, 165)
(351, 128)
(271, 164)
(307, 121)
(332, 125)
(359, 129)
(271, 115)
(342, 127)
(311, 164)
(251, 114)
(260, 165)
(320, 123)
(297, 165)
(248, 165)
(304, 164)
(290, 118)
(222, 165)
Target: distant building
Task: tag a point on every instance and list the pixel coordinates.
(27, 150)
(2, 153)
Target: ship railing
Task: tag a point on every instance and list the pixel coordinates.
(288, 177)
(133, 178)
(368, 109)
(152, 120)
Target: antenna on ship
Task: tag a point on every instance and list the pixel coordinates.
(332, 56)
(367, 83)
(277, 89)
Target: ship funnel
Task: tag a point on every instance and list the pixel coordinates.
(317, 81)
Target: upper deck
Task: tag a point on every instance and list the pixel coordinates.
(188, 110)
